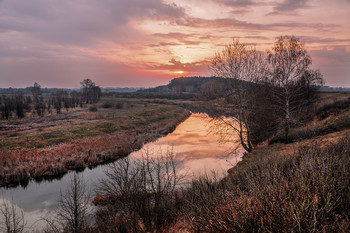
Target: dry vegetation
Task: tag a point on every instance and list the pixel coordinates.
(304, 191)
(331, 114)
(51, 145)
(297, 187)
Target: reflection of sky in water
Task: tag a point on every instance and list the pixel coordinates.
(196, 151)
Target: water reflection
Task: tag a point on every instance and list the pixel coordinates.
(196, 151)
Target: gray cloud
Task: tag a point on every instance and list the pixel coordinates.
(239, 24)
(242, 3)
(80, 22)
(289, 7)
(45, 41)
(237, 3)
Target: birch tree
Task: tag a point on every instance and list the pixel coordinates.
(290, 75)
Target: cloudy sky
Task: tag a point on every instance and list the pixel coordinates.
(144, 43)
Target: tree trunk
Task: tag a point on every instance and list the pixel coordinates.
(248, 147)
(286, 131)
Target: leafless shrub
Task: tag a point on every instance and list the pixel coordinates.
(139, 195)
(12, 218)
(73, 206)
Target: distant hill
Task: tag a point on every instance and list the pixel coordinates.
(193, 85)
(182, 85)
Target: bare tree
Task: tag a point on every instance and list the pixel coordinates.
(12, 218)
(290, 75)
(141, 194)
(73, 206)
(242, 66)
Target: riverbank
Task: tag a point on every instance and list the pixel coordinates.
(297, 187)
(81, 139)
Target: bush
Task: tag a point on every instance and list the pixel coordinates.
(304, 192)
(329, 125)
(138, 196)
(333, 108)
(93, 108)
(107, 105)
(119, 105)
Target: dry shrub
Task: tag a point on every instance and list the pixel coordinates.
(140, 195)
(304, 192)
(326, 126)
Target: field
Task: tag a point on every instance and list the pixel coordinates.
(35, 147)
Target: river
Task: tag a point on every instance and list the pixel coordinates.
(196, 151)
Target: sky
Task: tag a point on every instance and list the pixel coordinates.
(145, 43)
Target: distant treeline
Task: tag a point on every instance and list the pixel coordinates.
(328, 88)
(32, 101)
(28, 90)
(48, 91)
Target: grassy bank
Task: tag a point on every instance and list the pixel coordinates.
(304, 191)
(51, 145)
(299, 187)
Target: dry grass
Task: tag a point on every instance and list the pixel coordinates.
(304, 191)
(53, 145)
(41, 132)
(332, 115)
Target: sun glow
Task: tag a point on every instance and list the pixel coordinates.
(179, 72)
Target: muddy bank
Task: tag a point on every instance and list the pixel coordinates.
(25, 164)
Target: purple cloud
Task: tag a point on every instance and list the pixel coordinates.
(289, 7)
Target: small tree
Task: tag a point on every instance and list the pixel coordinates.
(291, 76)
(19, 104)
(73, 206)
(91, 92)
(36, 90)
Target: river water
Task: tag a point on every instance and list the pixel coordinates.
(196, 150)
